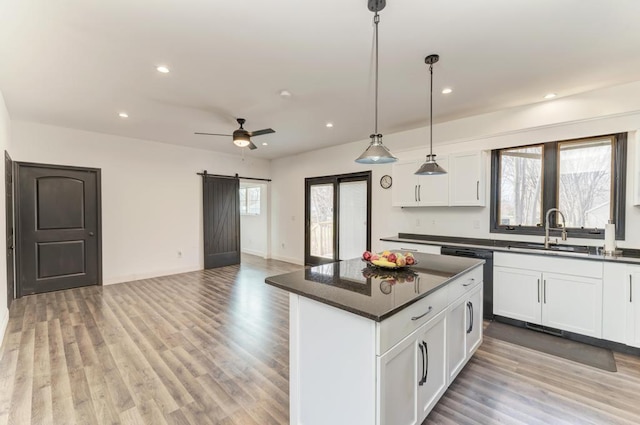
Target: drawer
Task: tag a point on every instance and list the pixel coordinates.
(464, 283)
(413, 247)
(397, 327)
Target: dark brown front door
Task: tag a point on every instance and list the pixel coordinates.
(57, 228)
(221, 211)
(8, 190)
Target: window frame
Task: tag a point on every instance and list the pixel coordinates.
(246, 201)
(550, 179)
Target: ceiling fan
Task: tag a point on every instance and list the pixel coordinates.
(242, 137)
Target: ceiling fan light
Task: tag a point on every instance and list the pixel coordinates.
(430, 167)
(376, 153)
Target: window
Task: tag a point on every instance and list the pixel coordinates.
(583, 178)
(250, 200)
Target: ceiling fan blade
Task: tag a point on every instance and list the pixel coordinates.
(252, 146)
(261, 132)
(213, 134)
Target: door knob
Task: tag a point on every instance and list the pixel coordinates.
(90, 233)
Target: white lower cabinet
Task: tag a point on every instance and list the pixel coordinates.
(621, 304)
(464, 321)
(413, 375)
(559, 293)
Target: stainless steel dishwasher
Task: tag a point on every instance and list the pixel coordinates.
(487, 276)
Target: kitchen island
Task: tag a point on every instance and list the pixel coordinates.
(375, 346)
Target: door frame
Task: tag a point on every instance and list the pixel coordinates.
(335, 180)
(17, 223)
(10, 227)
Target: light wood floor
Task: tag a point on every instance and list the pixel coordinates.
(211, 347)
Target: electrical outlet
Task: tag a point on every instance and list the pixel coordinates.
(417, 222)
(293, 218)
(433, 222)
(282, 244)
(179, 254)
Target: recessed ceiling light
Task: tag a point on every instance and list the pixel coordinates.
(447, 90)
(123, 115)
(329, 125)
(285, 93)
(163, 69)
(549, 96)
(265, 143)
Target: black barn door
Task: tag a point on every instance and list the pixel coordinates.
(8, 191)
(58, 227)
(221, 211)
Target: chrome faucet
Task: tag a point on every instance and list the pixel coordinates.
(547, 241)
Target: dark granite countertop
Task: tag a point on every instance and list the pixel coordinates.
(592, 253)
(372, 292)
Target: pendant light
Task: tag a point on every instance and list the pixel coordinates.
(376, 153)
(431, 167)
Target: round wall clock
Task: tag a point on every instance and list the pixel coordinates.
(386, 181)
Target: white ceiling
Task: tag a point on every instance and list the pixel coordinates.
(78, 63)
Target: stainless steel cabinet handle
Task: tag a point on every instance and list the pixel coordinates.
(422, 380)
(544, 290)
(538, 291)
(415, 193)
(471, 282)
(419, 194)
(426, 362)
(470, 308)
(630, 289)
(422, 315)
(478, 190)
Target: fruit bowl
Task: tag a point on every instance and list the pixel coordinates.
(389, 260)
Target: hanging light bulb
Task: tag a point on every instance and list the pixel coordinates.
(431, 167)
(376, 153)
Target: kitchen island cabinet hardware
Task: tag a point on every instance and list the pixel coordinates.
(471, 282)
(422, 315)
(395, 369)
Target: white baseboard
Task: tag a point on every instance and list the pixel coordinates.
(253, 252)
(4, 321)
(139, 276)
(288, 259)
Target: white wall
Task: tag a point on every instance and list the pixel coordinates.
(254, 228)
(5, 136)
(151, 195)
(606, 111)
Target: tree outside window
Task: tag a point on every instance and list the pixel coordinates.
(250, 200)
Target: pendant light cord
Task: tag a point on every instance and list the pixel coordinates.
(376, 19)
(431, 113)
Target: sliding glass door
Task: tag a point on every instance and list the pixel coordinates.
(337, 217)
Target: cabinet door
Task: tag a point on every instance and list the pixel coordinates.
(456, 338)
(433, 191)
(572, 303)
(405, 184)
(517, 294)
(474, 321)
(466, 182)
(634, 310)
(399, 375)
(616, 302)
(433, 340)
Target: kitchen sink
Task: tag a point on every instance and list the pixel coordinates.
(570, 249)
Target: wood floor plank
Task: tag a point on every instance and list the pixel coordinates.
(212, 347)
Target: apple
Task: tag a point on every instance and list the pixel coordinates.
(367, 256)
(392, 257)
(374, 257)
(401, 261)
(410, 260)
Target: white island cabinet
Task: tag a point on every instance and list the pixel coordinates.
(373, 347)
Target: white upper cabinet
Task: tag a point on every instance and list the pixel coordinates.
(410, 190)
(462, 185)
(467, 179)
